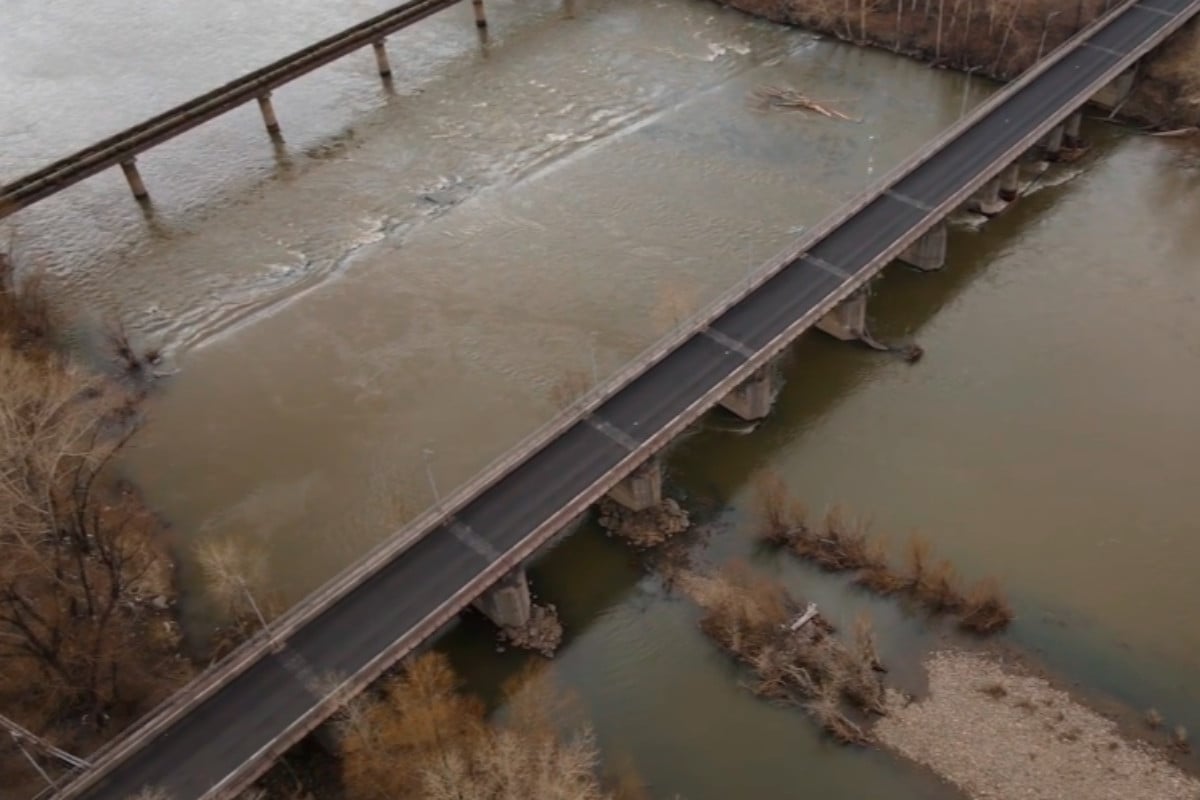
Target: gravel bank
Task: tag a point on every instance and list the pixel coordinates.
(1000, 735)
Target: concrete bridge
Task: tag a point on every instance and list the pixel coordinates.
(226, 728)
(122, 149)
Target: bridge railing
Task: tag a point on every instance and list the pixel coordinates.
(313, 605)
(132, 141)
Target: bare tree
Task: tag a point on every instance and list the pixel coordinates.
(234, 571)
(77, 554)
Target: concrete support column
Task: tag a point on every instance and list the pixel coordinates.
(929, 252)
(268, 113)
(381, 59)
(480, 18)
(752, 400)
(1071, 130)
(569, 8)
(987, 199)
(848, 321)
(1052, 144)
(642, 489)
(135, 179)
(1114, 95)
(508, 603)
(1010, 182)
(1033, 162)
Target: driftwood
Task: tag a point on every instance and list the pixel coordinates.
(1189, 131)
(790, 99)
(804, 618)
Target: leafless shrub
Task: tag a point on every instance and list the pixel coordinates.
(1154, 720)
(841, 543)
(994, 690)
(780, 516)
(747, 615)
(939, 588)
(25, 320)
(1179, 739)
(985, 608)
(81, 556)
(426, 739)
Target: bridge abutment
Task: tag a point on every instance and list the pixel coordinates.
(642, 489)
(508, 604)
(753, 399)
(929, 252)
(848, 321)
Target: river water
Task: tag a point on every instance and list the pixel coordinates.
(389, 298)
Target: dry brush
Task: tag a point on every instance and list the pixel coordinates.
(750, 616)
(842, 543)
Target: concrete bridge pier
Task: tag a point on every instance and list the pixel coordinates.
(135, 180)
(1033, 162)
(848, 321)
(929, 252)
(642, 489)
(1114, 95)
(987, 199)
(480, 19)
(753, 399)
(268, 113)
(1053, 142)
(1072, 137)
(381, 59)
(508, 603)
(1010, 182)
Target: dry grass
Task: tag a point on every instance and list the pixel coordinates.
(939, 589)
(25, 322)
(985, 610)
(780, 516)
(747, 615)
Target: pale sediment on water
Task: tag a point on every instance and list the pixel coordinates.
(996, 733)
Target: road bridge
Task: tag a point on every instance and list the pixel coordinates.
(225, 729)
(121, 149)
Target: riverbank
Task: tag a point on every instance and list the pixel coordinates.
(996, 731)
(999, 40)
(88, 637)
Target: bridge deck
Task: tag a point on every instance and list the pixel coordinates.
(228, 735)
(125, 145)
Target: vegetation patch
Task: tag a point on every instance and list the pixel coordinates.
(792, 654)
(87, 641)
(421, 737)
(841, 543)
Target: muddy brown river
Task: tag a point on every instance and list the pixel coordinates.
(392, 294)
